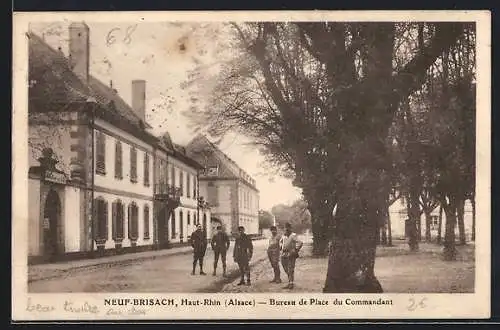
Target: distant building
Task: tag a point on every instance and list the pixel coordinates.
(398, 214)
(232, 194)
(99, 181)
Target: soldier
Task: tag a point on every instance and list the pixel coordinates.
(290, 246)
(199, 244)
(242, 253)
(273, 252)
(220, 244)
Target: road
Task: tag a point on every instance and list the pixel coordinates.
(161, 274)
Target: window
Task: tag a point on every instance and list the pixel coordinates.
(133, 222)
(100, 220)
(146, 222)
(100, 151)
(133, 164)
(118, 160)
(181, 224)
(195, 186)
(146, 169)
(181, 182)
(188, 184)
(188, 218)
(118, 220)
(173, 224)
(173, 176)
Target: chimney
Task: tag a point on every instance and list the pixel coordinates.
(79, 50)
(139, 98)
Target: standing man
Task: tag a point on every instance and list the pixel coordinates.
(220, 244)
(199, 244)
(273, 252)
(290, 246)
(242, 253)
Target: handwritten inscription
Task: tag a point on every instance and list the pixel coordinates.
(32, 307)
(416, 304)
(69, 306)
(129, 311)
(126, 36)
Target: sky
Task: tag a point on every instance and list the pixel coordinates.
(120, 53)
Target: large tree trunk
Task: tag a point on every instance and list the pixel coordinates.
(450, 250)
(320, 218)
(460, 220)
(352, 256)
(383, 232)
(473, 204)
(427, 226)
(440, 224)
(389, 228)
(413, 215)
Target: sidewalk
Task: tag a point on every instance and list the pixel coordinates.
(46, 271)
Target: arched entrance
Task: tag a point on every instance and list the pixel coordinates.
(51, 223)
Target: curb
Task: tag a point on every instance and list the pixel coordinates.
(60, 273)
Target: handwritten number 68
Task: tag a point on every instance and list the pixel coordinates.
(111, 36)
(414, 305)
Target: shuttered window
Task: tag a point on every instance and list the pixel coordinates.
(133, 164)
(100, 153)
(146, 222)
(188, 189)
(118, 161)
(173, 176)
(181, 182)
(146, 169)
(195, 185)
(172, 222)
(118, 220)
(100, 220)
(188, 218)
(133, 221)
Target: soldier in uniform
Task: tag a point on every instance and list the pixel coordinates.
(199, 244)
(242, 253)
(220, 244)
(273, 252)
(290, 246)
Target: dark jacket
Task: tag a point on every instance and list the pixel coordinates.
(199, 242)
(243, 248)
(220, 242)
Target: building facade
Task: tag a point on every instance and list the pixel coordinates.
(232, 194)
(398, 214)
(99, 181)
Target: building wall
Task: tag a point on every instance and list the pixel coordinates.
(222, 198)
(72, 226)
(398, 215)
(126, 201)
(124, 189)
(188, 196)
(108, 180)
(34, 236)
(248, 208)
(51, 130)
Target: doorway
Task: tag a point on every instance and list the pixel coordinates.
(51, 224)
(163, 227)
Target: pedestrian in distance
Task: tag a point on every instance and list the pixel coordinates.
(242, 254)
(273, 252)
(220, 244)
(290, 246)
(199, 244)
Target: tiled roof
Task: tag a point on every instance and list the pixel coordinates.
(54, 82)
(49, 77)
